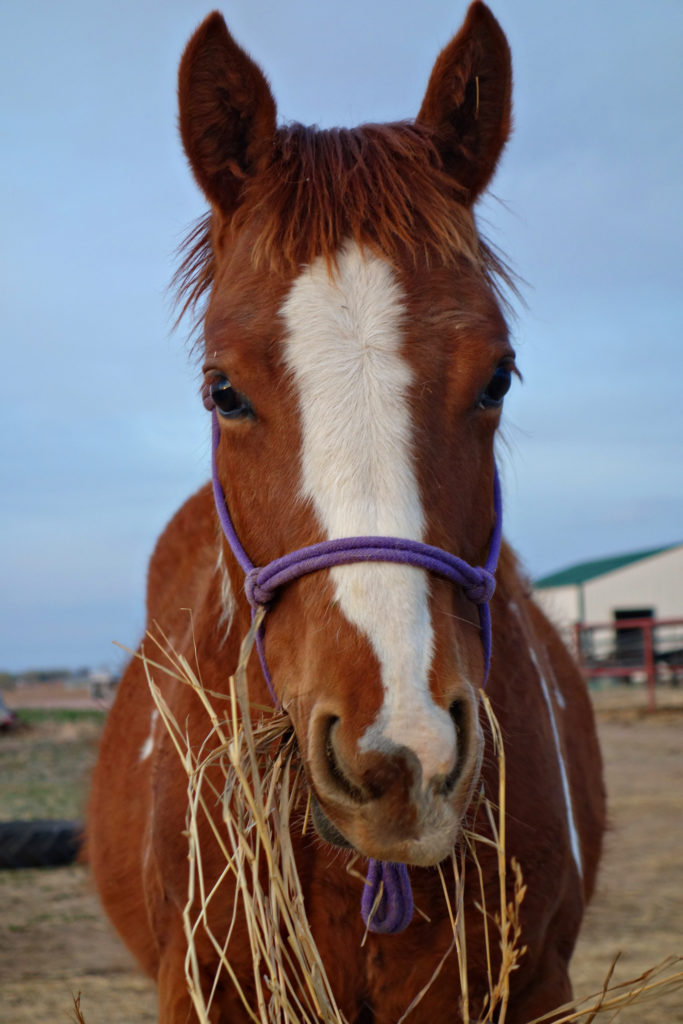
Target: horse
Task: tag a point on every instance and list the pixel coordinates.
(356, 361)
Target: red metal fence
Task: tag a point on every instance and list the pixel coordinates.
(632, 649)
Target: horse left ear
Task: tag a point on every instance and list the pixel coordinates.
(468, 100)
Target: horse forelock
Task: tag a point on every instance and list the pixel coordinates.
(382, 186)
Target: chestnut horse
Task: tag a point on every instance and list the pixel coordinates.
(356, 358)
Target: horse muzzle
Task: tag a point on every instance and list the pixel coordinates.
(383, 803)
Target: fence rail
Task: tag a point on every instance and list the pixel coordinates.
(629, 648)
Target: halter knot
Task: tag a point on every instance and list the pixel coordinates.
(481, 591)
(389, 910)
(257, 596)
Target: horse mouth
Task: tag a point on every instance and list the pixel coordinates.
(325, 829)
(423, 850)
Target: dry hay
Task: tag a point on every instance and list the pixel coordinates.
(263, 781)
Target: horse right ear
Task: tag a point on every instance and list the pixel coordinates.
(227, 113)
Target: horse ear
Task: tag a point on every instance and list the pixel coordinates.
(468, 100)
(227, 113)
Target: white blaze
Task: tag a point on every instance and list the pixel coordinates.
(343, 347)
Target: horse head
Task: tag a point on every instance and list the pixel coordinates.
(357, 358)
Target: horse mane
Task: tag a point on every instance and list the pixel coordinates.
(383, 185)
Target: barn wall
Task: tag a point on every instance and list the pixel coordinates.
(655, 582)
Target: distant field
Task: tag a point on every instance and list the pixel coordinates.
(54, 941)
(45, 766)
(55, 695)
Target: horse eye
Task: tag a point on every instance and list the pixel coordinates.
(229, 403)
(497, 388)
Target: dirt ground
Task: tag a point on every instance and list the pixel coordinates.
(638, 907)
(54, 942)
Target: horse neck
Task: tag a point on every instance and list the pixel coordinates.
(522, 641)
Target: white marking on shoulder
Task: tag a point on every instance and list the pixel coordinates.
(228, 606)
(148, 746)
(343, 347)
(571, 823)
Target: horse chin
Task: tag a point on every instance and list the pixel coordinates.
(433, 842)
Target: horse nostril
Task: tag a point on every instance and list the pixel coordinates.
(457, 713)
(458, 717)
(338, 775)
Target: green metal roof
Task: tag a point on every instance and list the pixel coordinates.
(584, 571)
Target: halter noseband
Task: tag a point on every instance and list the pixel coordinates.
(394, 908)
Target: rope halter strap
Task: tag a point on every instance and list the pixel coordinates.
(394, 908)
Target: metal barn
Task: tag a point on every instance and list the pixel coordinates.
(623, 586)
(623, 615)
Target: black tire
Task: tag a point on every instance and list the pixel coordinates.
(39, 844)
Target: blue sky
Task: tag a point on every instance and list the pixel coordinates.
(102, 431)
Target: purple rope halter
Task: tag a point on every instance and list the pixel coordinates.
(394, 908)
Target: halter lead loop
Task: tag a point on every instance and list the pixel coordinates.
(395, 907)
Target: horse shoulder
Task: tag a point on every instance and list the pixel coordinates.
(123, 795)
(119, 812)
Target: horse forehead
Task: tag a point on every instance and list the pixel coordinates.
(431, 314)
(343, 346)
(358, 310)
(359, 300)
(243, 312)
